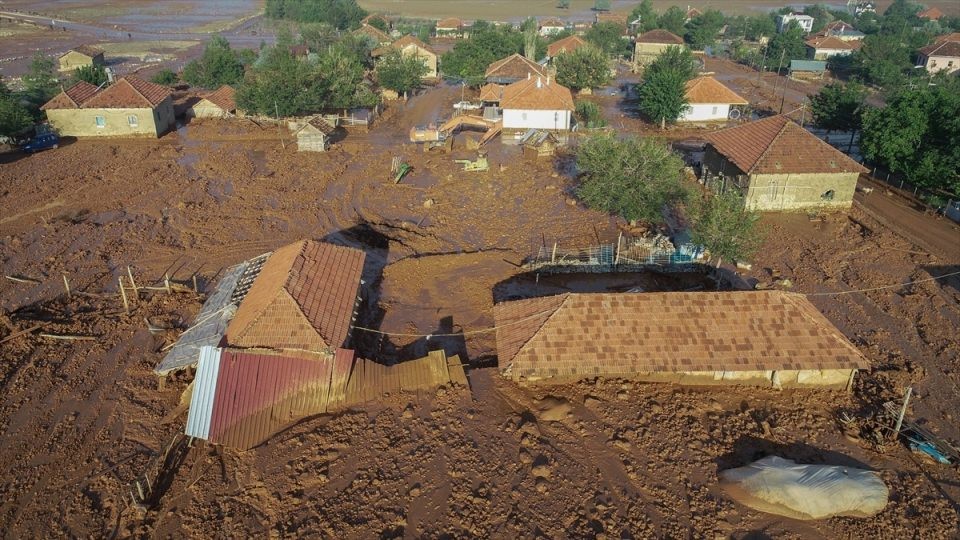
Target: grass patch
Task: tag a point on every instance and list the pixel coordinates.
(142, 49)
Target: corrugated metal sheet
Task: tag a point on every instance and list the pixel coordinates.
(208, 327)
(204, 393)
(259, 394)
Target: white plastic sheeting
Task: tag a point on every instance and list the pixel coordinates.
(781, 486)
(204, 392)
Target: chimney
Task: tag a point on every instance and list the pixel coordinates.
(539, 83)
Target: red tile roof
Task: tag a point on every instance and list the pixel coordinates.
(708, 90)
(321, 125)
(374, 33)
(449, 22)
(942, 48)
(829, 42)
(553, 23)
(71, 98)
(128, 93)
(491, 92)
(411, 40)
(224, 97)
(303, 298)
(660, 36)
(778, 145)
(537, 93)
(516, 66)
(567, 44)
(613, 334)
(932, 13)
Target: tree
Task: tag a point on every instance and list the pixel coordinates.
(93, 74)
(584, 67)
(608, 36)
(662, 95)
(588, 113)
(636, 178)
(563, 4)
(821, 16)
(721, 223)
(40, 84)
(218, 66)
(470, 57)
(400, 73)
(341, 14)
(787, 45)
(678, 59)
(648, 17)
(14, 117)
(918, 134)
(601, 5)
(839, 107)
(165, 77)
(702, 30)
(380, 24)
(673, 20)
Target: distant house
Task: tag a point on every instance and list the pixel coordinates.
(692, 13)
(842, 30)
(449, 27)
(709, 101)
(369, 20)
(823, 48)
(313, 135)
(805, 22)
(219, 104)
(537, 103)
(650, 45)
(942, 55)
(761, 338)
(491, 93)
(807, 69)
(859, 7)
(778, 165)
(84, 55)
(930, 14)
(565, 45)
(128, 107)
(374, 34)
(411, 46)
(513, 68)
(615, 17)
(552, 26)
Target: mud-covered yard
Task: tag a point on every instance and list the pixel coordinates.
(80, 419)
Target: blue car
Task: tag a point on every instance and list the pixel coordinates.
(42, 142)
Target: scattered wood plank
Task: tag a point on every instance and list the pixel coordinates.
(22, 279)
(69, 337)
(22, 332)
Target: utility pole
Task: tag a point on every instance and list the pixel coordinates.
(276, 109)
(763, 64)
(803, 112)
(779, 67)
(903, 411)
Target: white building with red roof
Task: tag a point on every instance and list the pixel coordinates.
(537, 103)
(129, 107)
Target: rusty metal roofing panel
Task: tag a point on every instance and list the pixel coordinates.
(204, 393)
(209, 325)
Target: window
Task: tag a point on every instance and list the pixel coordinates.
(715, 111)
(101, 121)
(132, 120)
(523, 115)
(827, 196)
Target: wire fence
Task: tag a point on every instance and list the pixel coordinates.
(627, 254)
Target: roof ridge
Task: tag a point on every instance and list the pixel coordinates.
(819, 319)
(766, 150)
(135, 89)
(300, 253)
(566, 298)
(824, 143)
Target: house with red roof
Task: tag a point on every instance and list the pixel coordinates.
(220, 103)
(709, 101)
(410, 46)
(565, 45)
(537, 102)
(825, 47)
(930, 14)
(942, 55)
(130, 106)
(777, 165)
(81, 56)
(650, 44)
(449, 27)
(762, 338)
(513, 68)
(552, 26)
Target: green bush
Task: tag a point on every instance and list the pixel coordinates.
(588, 113)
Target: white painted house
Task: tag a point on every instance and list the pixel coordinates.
(552, 27)
(805, 22)
(537, 103)
(709, 101)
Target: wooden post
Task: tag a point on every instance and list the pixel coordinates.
(166, 282)
(136, 292)
(903, 411)
(553, 257)
(123, 294)
(66, 285)
(195, 283)
(616, 260)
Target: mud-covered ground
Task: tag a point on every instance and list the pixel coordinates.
(80, 419)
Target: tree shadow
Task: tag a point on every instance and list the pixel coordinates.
(936, 270)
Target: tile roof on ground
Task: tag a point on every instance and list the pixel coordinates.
(304, 298)
(86, 50)
(567, 44)
(625, 333)
(516, 66)
(491, 92)
(706, 89)
(128, 93)
(224, 97)
(829, 42)
(777, 145)
(660, 36)
(537, 93)
(71, 98)
(374, 33)
(943, 48)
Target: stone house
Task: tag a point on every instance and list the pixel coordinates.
(129, 107)
(825, 47)
(777, 165)
(565, 45)
(313, 135)
(218, 104)
(378, 37)
(513, 68)
(650, 44)
(449, 27)
(411, 46)
(84, 55)
(943, 55)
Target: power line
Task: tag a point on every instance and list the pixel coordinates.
(884, 287)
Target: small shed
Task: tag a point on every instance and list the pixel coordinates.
(807, 69)
(313, 135)
(219, 104)
(83, 55)
(537, 143)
